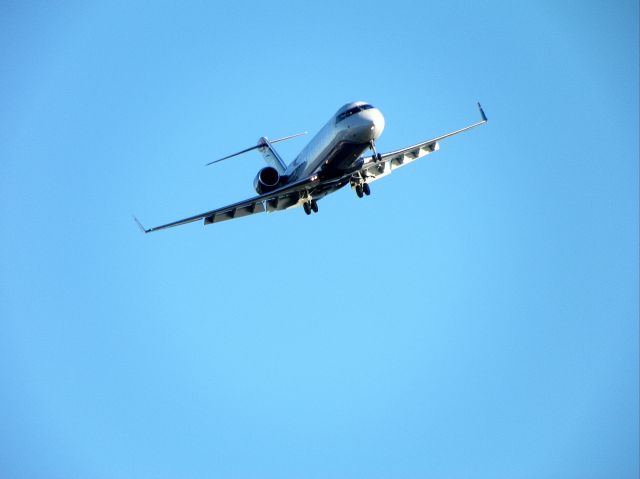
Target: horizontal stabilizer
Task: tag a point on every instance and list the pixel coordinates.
(285, 138)
(261, 144)
(234, 154)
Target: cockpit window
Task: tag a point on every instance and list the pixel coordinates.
(352, 111)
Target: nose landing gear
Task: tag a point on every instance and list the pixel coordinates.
(376, 156)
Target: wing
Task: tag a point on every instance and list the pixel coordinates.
(375, 168)
(285, 197)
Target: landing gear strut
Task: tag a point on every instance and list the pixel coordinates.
(376, 156)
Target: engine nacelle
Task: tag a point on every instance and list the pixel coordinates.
(267, 179)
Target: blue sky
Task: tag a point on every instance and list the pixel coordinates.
(477, 316)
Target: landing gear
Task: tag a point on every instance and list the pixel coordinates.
(376, 156)
(309, 206)
(363, 189)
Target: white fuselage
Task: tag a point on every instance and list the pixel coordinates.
(339, 143)
(332, 160)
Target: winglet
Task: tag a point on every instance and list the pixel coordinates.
(484, 117)
(142, 228)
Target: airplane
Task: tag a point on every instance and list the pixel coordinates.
(331, 160)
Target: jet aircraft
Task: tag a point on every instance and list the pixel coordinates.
(332, 159)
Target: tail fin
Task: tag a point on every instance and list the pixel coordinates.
(270, 155)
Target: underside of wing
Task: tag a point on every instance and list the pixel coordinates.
(288, 196)
(374, 168)
(264, 203)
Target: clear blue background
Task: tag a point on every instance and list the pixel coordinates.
(475, 317)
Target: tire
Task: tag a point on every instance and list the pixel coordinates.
(307, 208)
(359, 191)
(314, 206)
(366, 189)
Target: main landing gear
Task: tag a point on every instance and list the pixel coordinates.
(363, 189)
(310, 206)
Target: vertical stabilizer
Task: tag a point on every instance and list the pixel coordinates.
(270, 155)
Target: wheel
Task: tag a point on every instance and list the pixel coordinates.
(379, 157)
(366, 189)
(359, 191)
(314, 206)
(307, 208)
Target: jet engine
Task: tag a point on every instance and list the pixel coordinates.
(267, 179)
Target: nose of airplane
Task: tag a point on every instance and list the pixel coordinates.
(366, 126)
(377, 124)
(372, 123)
